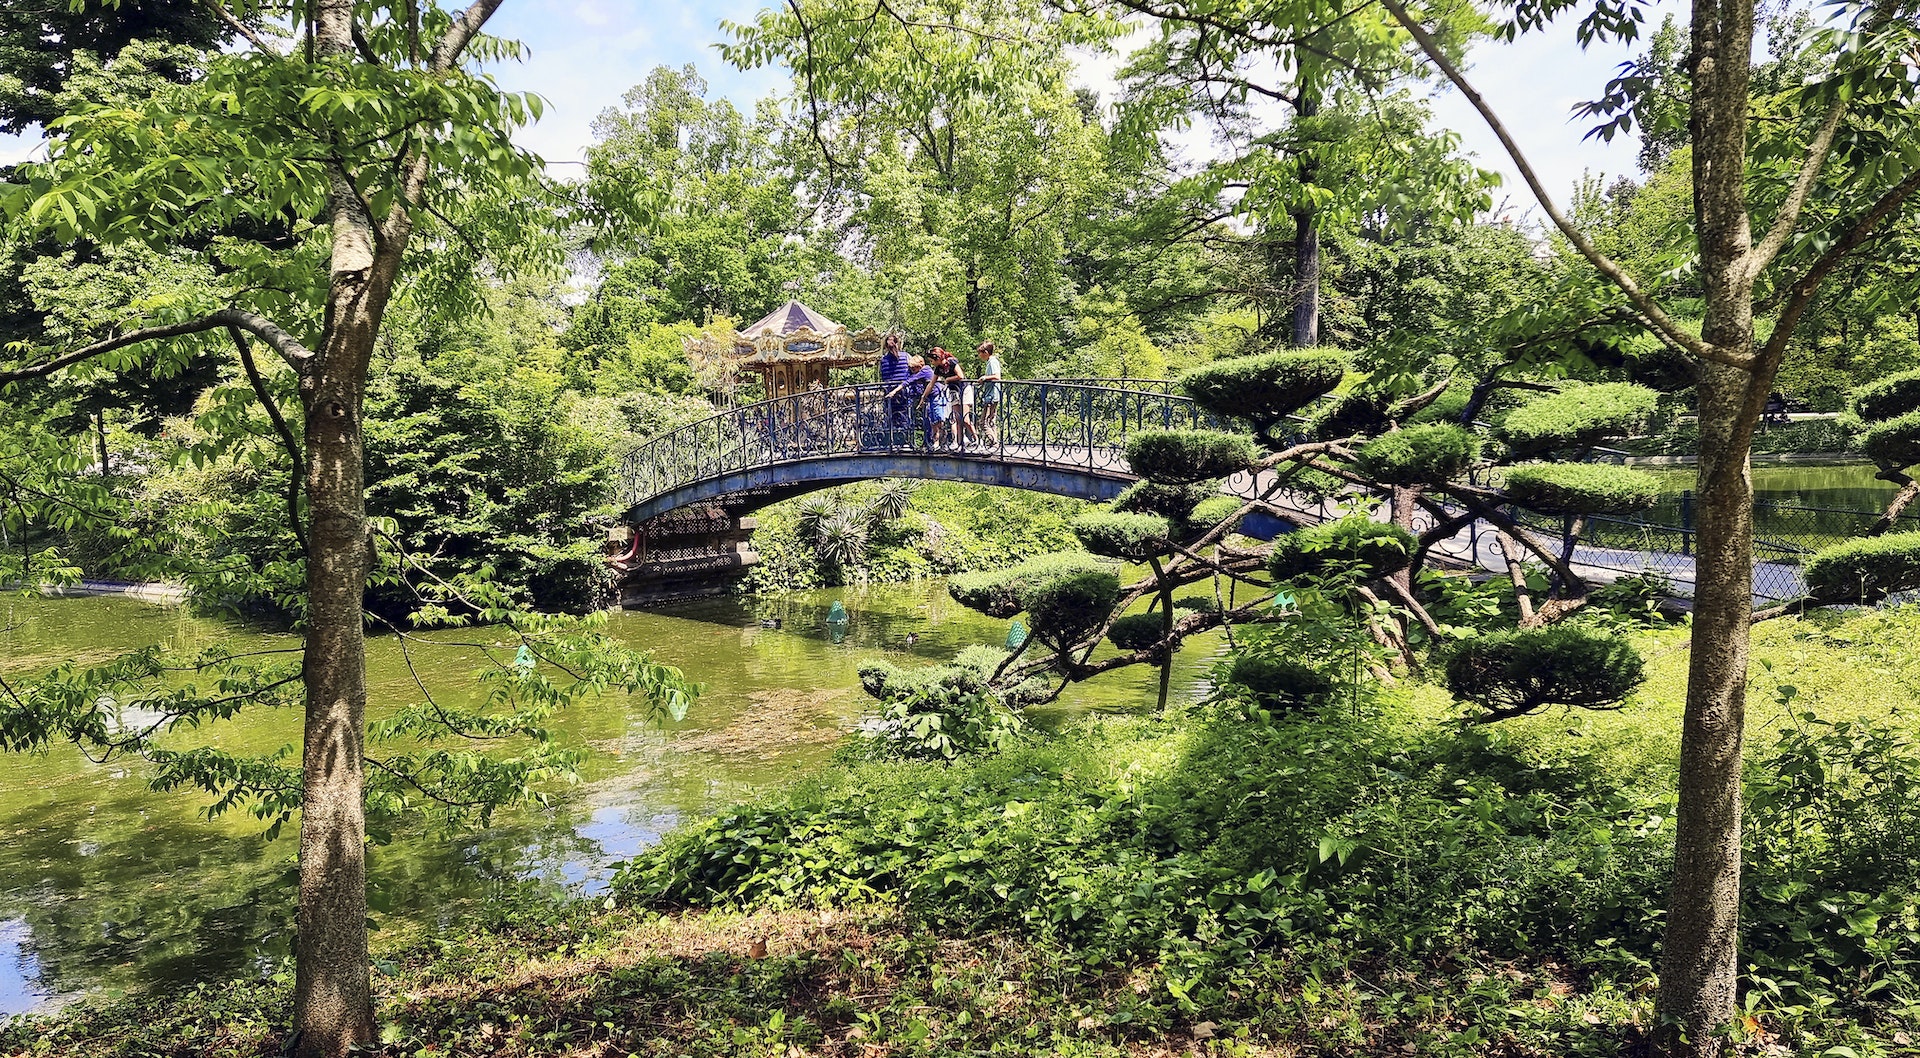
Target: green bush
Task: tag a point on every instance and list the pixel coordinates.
(1276, 682)
(1515, 672)
(1865, 570)
(1003, 592)
(1117, 534)
(1888, 398)
(1137, 631)
(1183, 457)
(1065, 608)
(1447, 407)
(1265, 388)
(1354, 414)
(1176, 502)
(1420, 455)
(1378, 547)
(1214, 510)
(1581, 488)
(1895, 442)
(1580, 417)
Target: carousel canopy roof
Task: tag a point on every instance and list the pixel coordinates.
(789, 318)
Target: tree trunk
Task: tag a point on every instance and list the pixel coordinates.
(333, 992)
(1700, 959)
(1306, 249)
(1166, 630)
(333, 989)
(100, 442)
(1699, 965)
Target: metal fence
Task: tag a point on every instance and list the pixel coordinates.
(1065, 424)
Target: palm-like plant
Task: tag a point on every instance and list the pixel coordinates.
(841, 540)
(890, 502)
(812, 512)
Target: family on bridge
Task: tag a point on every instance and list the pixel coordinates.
(953, 411)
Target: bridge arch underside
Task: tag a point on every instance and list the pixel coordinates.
(746, 491)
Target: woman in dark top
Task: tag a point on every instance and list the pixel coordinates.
(950, 375)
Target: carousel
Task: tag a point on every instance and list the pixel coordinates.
(792, 349)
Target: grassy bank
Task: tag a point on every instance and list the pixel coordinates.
(1374, 880)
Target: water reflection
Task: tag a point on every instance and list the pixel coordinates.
(107, 883)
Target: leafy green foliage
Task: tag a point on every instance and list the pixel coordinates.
(1420, 455)
(1213, 510)
(1185, 457)
(934, 714)
(1137, 631)
(1266, 388)
(1515, 672)
(1889, 397)
(1005, 592)
(1116, 534)
(1579, 417)
(1581, 488)
(1350, 415)
(1174, 502)
(1865, 571)
(1066, 608)
(1894, 442)
(1371, 549)
(1273, 682)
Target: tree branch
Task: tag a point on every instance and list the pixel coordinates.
(1784, 221)
(1666, 325)
(465, 25)
(227, 18)
(297, 474)
(1808, 284)
(266, 330)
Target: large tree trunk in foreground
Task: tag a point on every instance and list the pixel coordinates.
(333, 988)
(333, 995)
(1699, 965)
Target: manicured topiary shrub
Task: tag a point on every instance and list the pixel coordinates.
(1578, 418)
(1510, 673)
(1447, 407)
(1182, 457)
(1278, 683)
(1888, 398)
(1003, 592)
(1170, 501)
(1264, 388)
(1379, 547)
(1213, 510)
(1352, 415)
(1865, 570)
(1137, 631)
(1117, 534)
(1198, 604)
(1581, 488)
(1894, 443)
(1420, 455)
(1066, 608)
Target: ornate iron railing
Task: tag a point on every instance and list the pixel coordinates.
(1075, 425)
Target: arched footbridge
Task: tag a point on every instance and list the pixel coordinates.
(688, 494)
(685, 492)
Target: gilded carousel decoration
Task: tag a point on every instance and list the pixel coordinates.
(791, 348)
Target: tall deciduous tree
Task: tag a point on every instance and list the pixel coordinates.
(1834, 168)
(1302, 100)
(312, 176)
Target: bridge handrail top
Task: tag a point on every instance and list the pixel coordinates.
(858, 386)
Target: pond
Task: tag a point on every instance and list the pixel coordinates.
(1836, 486)
(106, 884)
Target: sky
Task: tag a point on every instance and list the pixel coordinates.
(584, 54)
